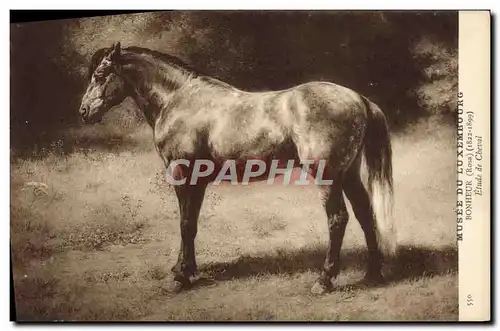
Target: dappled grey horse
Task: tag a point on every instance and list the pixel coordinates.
(194, 117)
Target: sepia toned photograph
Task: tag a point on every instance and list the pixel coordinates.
(237, 166)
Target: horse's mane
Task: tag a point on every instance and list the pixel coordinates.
(166, 58)
(96, 59)
(169, 59)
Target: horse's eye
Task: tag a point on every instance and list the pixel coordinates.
(101, 72)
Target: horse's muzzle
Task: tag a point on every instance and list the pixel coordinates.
(88, 118)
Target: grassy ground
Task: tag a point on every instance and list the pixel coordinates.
(99, 241)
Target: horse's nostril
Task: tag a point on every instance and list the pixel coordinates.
(84, 111)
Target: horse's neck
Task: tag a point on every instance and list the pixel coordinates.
(154, 89)
(149, 109)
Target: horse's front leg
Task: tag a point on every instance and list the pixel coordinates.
(190, 200)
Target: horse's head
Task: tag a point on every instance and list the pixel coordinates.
(106, 88)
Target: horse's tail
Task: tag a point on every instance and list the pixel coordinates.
(378, 155)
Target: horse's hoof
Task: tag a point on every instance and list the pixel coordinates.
(319, 288)
(193, 279)
(183, 279)
(179, 284)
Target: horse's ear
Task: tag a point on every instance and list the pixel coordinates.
(116, 51)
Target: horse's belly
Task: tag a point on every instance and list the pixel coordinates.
(255, 170)
(293, 176)
(275, 172)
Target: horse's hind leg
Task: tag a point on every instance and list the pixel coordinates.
(362, 207)
(190, 200)
(338, 217)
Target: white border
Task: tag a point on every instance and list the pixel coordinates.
(473, 250)
(189, 4)
(256, 4)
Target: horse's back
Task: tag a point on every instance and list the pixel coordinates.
(328, 95)
(313, 116)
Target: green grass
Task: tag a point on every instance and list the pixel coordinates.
(99, 243)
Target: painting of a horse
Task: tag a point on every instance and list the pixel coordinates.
(196, 117)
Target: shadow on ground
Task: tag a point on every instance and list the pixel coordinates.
(410, 262)
(112, 143)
